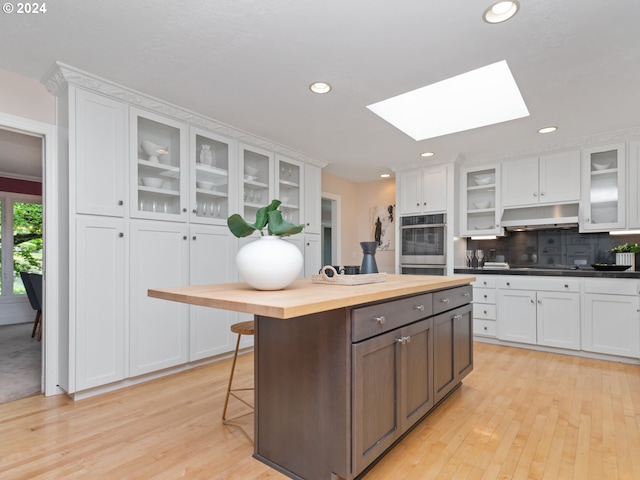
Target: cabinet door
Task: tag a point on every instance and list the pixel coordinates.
(560, 177)
(256, 180)
(632, 187)
(100, 154)
(158, 329)
(376, 374)
(290, 178)
(159, 166)
(212, 260)
(611, 324)
(100, 313)
(213, 187)
(603, 188)
(312, 198)
(434, 190)
(558, 315)
(444, 370)
(516, 320)
(463, 342)
(480, 201)
(311, 253)
(417, 372)
(520, 182)
(409, 188)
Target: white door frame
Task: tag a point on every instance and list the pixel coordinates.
(50, 266)
(336, 208)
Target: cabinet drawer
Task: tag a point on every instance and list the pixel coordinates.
(549, 284)
(484, 295)
(484, 281)
(376, 319)
(485, 328)
(611, 286)
(452, 298)
(481, 310)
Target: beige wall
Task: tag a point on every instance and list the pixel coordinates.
(356, 200)
(26, 97)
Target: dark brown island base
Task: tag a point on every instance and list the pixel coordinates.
(342, 372)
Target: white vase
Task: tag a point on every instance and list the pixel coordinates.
(269, 263)
(626, 258)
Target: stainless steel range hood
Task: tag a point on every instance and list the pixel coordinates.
(540, 217)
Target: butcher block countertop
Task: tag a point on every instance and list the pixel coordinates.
(303, 297)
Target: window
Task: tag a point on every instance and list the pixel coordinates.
(20, 251)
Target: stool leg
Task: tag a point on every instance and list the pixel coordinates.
(233, 368)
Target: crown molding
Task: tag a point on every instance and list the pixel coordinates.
(428, 162)
(61, 75)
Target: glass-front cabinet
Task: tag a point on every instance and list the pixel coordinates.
(159, 148)
(256, 172)
(603, 176)
(480, 212)
(290, 176)
(212, 189)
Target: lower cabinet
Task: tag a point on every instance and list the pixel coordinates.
(453, 349)
(392, 388)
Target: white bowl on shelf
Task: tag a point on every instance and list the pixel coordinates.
(248, 169)
(483, 179)
(251, 178)
(481, 205)
(152, 182)
(601, 165)
(488, 227)
(205, 185)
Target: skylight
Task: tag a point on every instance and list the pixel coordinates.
(474, 99)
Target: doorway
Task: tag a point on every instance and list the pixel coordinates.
(330, 233)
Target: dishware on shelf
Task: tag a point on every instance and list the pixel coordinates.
(252, 171)
(480, 205)
(482, 179)
(206, 156)
(152, 182)
(153, 151)
(601, 165)
(205, 185)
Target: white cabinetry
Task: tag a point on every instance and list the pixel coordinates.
(256, 180)
(159, 330)
(553, 178)
(290, 176)
(312, 200)
(541, 310)
(212, 256)
(484, 306)
(100, 153)
(480, 205)
(159, 166)
(603, 188)
(611, 322)
(423, 191)
(632, 186)
(99, 308)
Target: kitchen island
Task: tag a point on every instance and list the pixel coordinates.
(342, 372)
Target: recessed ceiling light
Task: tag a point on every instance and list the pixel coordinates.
(320, 87)
(481, 97)
(385, 175)
(501, 11)
(548, 129)
(427, 154)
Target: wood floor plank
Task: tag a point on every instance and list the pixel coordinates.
(520, 414)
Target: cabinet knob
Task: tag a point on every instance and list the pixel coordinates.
(532, 301)
(419, 307)
(508, 283)
(540, 302)
(485, 312)
(542, 194)
(120, 202)
(417, 204)
(194, 237)
(184, 238)
(194, 210)
(485, 296)
(380, 319)
(184, 210)
(566, 286)
(535, 194)
(121, 234)
(307, 224)
(587, 220)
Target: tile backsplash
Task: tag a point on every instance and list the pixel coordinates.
(552, 247)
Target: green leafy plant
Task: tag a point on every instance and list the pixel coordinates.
(626, 248)
(269, 217)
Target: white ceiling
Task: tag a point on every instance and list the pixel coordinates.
(248, 63)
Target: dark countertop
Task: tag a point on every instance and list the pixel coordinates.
(547, 272)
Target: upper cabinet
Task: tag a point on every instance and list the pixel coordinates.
(213, 185)
(480, 201)
(603, 188)
(100, 135)
(256, 180)
(632, 185)
(423, 191)
(290, 175)
(159, 166)
(546, 179)
(312, 199)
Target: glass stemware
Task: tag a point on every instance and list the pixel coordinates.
(480, 257)
(469, 258)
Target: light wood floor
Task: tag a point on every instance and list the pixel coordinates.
(520, 414)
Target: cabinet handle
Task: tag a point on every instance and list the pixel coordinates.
(404, 340)
(417, 204)
(485, 328)
(508, 283)
(485, 312)
(457, 317)
(566, 286)
(120, 202)
(380, 319)
(194, 210)
(485, 296)
(445, 300)
(465, 294)
(532, 301)
(184, 238)
(194, 237)
(540, 302)
(307, 224)
(308, 243)
(121, 234)
(535, 194)
(587, 220)
(184, 210)
(419, 307)
(542, 194)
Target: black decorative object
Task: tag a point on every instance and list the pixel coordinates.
(369, 260)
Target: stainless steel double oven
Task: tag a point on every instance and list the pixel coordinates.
(423, 244)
